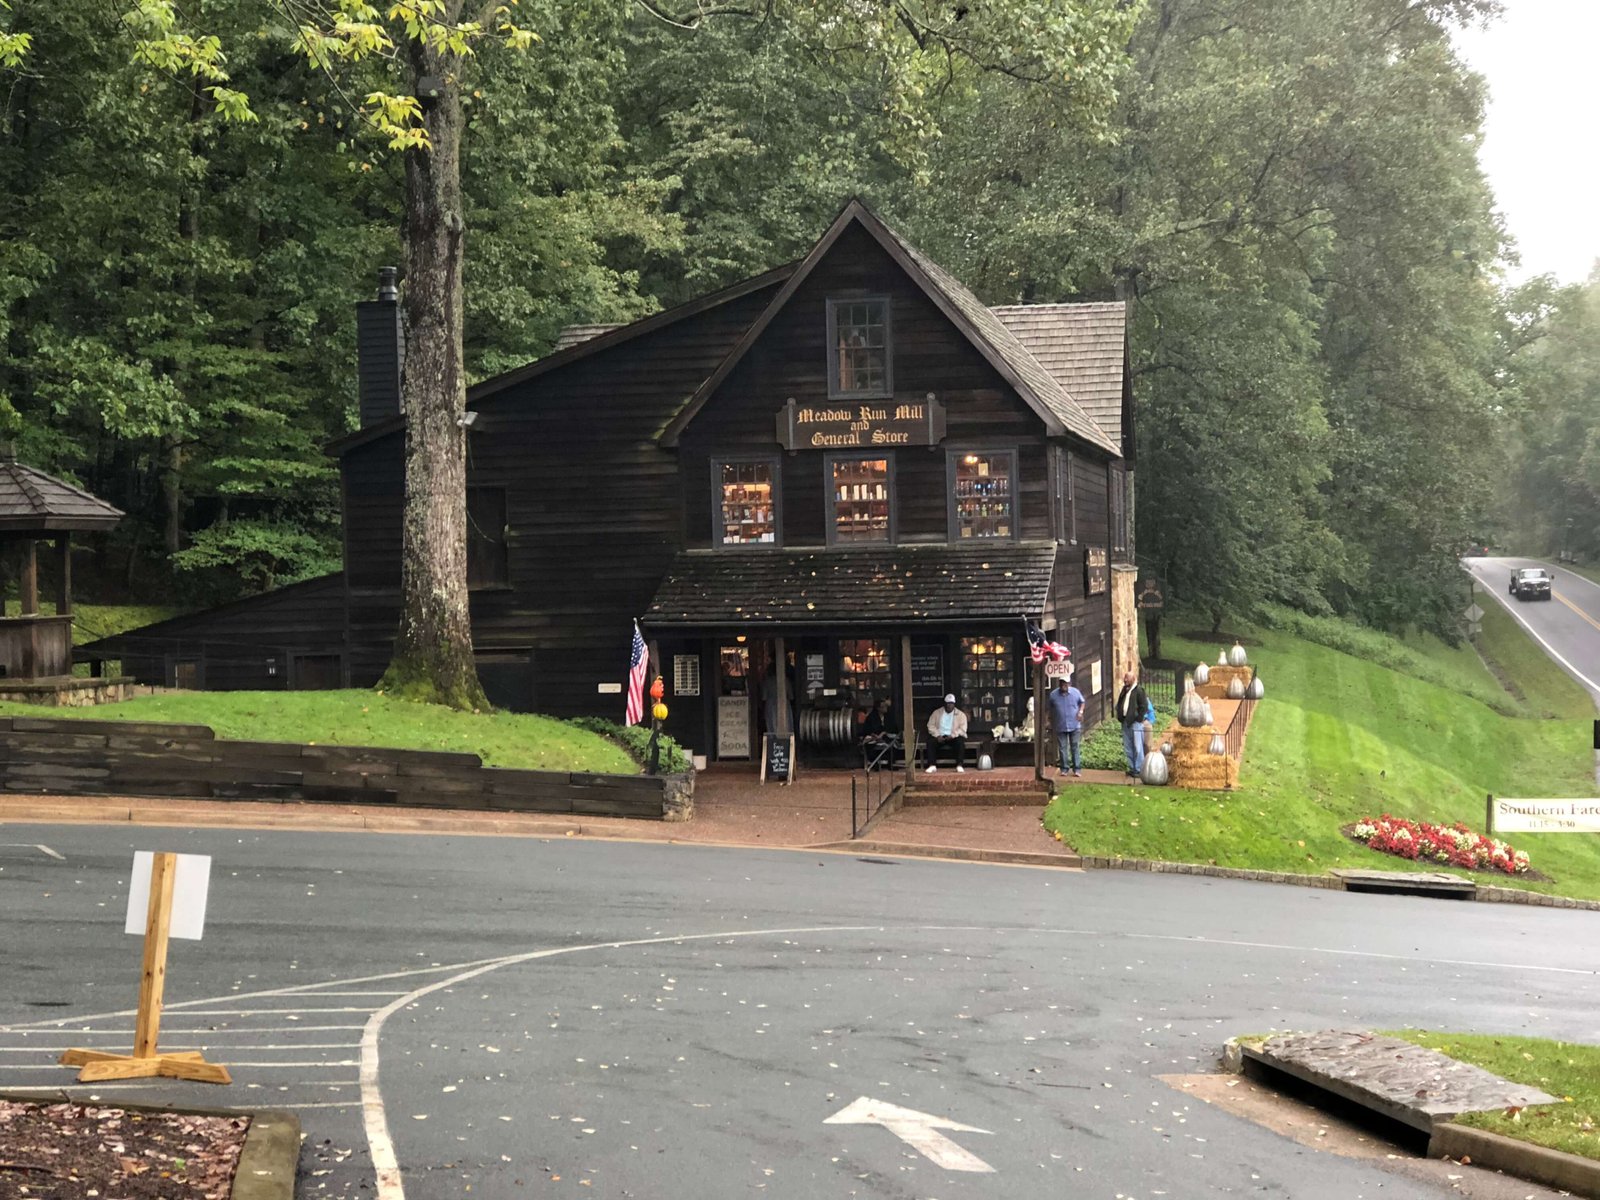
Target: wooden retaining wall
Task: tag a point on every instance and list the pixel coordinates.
(127, 758)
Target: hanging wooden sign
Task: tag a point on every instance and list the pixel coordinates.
(863, 424)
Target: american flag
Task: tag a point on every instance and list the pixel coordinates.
(1041, 648)
(638, 667)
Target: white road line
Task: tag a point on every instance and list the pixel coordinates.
(35, 846)
(335, 1062)
(320, 995)
(384, 1161)
(267, 1012)
(38, 1049)
(210, 1033)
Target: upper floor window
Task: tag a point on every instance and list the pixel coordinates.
(487, 564)
(858, 347)
(1116, 484)
(861, 490)
(982, 503)
(747, 502)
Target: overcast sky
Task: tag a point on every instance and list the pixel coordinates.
(1541, 147)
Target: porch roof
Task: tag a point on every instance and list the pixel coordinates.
(877, 585)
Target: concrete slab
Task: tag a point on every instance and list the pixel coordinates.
(1414, 883)
(1406, 1083)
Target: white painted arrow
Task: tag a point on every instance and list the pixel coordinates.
(34, 846)
(919, 1130)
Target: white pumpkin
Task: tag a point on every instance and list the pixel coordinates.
(1166, 748)
(1255, 691)
(1217, 746)
(1192, 710)
(1235, 688)
(1222, 658)
(1209, 718)
(1155, 769)
(985, 763)
(1236, 656)
(1202, 675)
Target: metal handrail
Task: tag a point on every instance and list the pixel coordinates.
(872, 787)
(1233, 736)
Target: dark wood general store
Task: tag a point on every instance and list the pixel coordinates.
(843, 479)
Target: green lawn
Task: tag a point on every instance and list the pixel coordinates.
(362, 718)
(1567, 1070)
(1341, 736)
(1587, 572)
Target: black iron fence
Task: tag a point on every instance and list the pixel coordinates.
(1163, 685)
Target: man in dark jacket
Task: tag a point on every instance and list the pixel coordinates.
(1131, 706)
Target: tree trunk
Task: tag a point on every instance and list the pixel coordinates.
(172, 492)
(433, 658)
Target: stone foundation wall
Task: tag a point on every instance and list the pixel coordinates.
(72, 691)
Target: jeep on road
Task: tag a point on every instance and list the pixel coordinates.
(1530, 583)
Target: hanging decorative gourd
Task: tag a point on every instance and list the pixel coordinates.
(1192, 710)
(1235, 688)
(1236, 656)
(659, 711)
(1155, 769)
(1218, 745)
(1255, 691)
(1202, 675)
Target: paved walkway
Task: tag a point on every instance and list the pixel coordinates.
(732, 807)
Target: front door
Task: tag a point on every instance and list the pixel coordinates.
(734, 712)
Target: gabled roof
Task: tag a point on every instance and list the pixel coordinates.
(859, 584)
(572, 335)
(1040, 390)
(605, 337)
(1082, 345)
(33, 502)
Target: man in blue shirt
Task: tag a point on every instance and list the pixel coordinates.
(1066, 718)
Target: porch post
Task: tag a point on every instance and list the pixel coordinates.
(908, 718)
(1039, 719)
(781, 666)
(29, 588)
(64, 585)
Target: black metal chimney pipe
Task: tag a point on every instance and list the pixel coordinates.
(380, 351)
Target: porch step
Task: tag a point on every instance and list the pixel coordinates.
(974, 781)
(974, 790)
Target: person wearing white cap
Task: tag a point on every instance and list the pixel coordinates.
(947, 727)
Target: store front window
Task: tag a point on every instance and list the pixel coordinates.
(988, 681)
(747, 503)
(981, 499)
(864, 669)
(860, 500)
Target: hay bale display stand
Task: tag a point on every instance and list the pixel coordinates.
(1194, 762)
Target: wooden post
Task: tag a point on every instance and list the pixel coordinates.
(147, 1061)
(781, 666)
(1039, 719)
(1488, 815)
(153, 979)
(64, 581)
(29, 587)
(908, 718)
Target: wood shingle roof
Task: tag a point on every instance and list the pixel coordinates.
(32, 502)
(862, 585)
(1082, 346)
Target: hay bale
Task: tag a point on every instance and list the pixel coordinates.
(1192, 765)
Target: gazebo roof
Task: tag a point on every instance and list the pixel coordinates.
(33, 504)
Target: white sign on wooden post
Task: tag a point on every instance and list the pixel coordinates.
(189, 890)
(1546, 816)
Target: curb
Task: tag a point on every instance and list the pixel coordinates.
(1486, 893)
(268, 1162)
(1554, 1168)
(1020, 858)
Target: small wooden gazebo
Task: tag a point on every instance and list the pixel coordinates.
(34, 508)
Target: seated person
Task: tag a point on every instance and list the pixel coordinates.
(878, 740)
(947, 728)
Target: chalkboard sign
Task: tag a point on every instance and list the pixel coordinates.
(927, 671)
(777, 758)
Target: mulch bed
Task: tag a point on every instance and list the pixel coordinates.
(89, 1152)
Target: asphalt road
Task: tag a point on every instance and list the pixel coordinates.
(1567, 625)
(522, 1017)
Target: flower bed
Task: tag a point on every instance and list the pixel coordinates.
(1453, 844)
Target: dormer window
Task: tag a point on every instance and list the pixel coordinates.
(858, 348)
